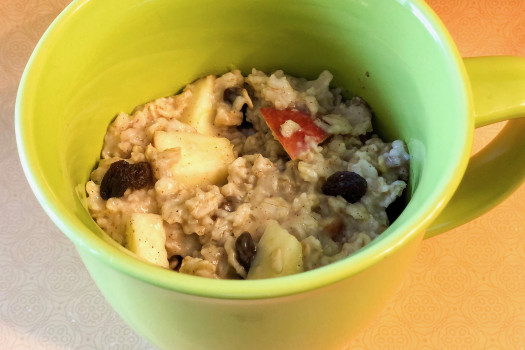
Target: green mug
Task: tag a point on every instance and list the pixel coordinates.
(101, 57)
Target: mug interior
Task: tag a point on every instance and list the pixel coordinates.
(101, 57)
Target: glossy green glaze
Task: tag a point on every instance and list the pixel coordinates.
(101, 57)
(498, 87)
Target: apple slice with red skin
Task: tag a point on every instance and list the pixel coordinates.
(295, 144)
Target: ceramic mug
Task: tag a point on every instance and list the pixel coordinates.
(101, 57)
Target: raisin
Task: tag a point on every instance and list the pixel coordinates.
(246, 128)
(141, 175)
(245, 249)
(349, 185)
(396, 207)
(245, 124)
(121, 175)
(227, 206)
(231, 93)
(114, 183)
(230, 203)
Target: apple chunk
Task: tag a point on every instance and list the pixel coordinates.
(200, 112)
(293, 140)
(278, 254)
(204, 160)
(145, 236)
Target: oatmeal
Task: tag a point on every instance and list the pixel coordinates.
(246, 177)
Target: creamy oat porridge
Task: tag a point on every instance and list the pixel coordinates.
(246, 177)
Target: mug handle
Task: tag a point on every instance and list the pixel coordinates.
(498, 90)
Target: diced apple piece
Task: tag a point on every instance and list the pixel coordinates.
(278, 254)
(294, 144)
(145, 237)
(204, 160)
(200, 111)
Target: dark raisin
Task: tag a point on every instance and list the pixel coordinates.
(121, 175)
(246, 128)
(245, 249)
(396, 208)
(227, 206)
(230, 203)
(115, 181)
(349, 185)
(245, 124)
(140, 175)
(230, 94)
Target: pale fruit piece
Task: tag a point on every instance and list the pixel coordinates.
(145, 237)
(278, 254)
(200, 111)
(204, 160)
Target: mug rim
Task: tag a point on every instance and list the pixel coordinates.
(85, 240)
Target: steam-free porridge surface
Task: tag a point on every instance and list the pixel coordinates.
(220, 154)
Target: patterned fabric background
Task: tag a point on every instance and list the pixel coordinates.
(466, 289)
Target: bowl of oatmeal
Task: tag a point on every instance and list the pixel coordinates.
(247, 177)
(259, 145)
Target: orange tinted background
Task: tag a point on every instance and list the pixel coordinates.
(466, 289)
